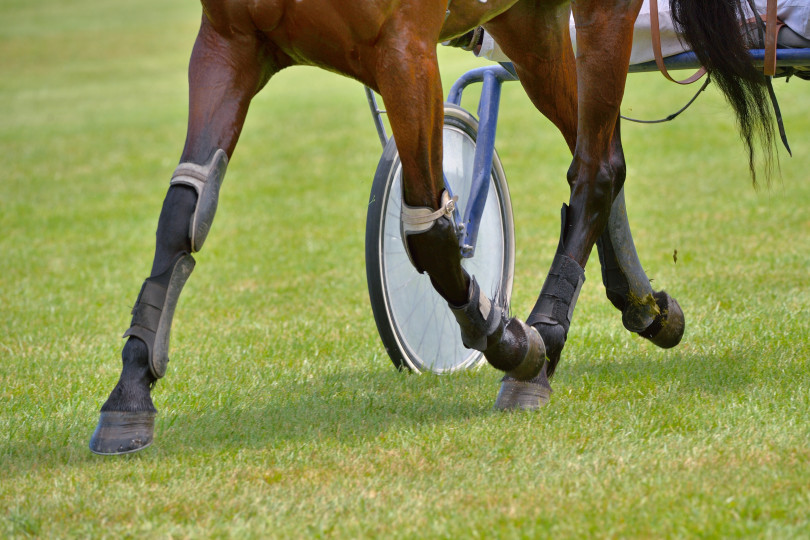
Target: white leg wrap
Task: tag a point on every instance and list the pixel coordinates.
(418, 219)
(206, 180)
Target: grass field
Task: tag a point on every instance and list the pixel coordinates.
(281, 415)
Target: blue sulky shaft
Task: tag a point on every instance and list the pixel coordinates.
(491, 78)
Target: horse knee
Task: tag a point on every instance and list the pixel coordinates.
(172, 232)
(188, 209)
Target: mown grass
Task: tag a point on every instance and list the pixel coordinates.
(281, 416)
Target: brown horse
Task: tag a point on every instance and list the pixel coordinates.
(390, 46)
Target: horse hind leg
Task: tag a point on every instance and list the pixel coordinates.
(223, 77)
(654, 315)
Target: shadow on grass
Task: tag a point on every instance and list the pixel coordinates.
(710, 373)
(343, 407)
(346, 407)
(351, 406)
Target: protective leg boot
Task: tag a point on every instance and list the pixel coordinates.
(508, 344)
(551, 318)
(552, 313)
(154, 310)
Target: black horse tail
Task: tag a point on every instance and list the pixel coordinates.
(713, 30)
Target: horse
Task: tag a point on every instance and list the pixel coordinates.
(390, 46)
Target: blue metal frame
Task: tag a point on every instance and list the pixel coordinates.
(491, 77)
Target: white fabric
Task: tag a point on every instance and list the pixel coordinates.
(795, 13)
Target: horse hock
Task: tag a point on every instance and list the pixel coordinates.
(431, 242)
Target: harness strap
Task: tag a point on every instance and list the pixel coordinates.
(771, 31)
(655, 33)
(769, 34)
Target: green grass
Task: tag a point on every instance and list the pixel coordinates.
(281, 415)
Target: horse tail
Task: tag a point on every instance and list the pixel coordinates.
(712, 29)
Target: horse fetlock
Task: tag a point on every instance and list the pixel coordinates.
(508, 344)
(554, 337)
(669, 325)
(127, 420)
(206, 179)
(132, 393)
(154, 310)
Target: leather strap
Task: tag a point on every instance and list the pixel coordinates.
(772, 27)
(771, 32)
(655, 33)
(770, 39)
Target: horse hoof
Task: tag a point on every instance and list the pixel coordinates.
(523, 395)
(122, 432)
(668, 328)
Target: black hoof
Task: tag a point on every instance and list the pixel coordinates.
(668, 328)
(523, 395)
(122, 432)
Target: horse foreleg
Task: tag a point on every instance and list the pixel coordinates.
(224, 74)
(411, 88)
(535, 35)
